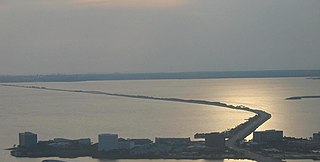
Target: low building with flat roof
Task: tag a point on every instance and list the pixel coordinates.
(268, 136)
(140, 142)
(215, 140)
(82, 141)
(177, 141)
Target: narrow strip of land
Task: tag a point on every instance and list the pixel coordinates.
(301, 97)
(262, 116)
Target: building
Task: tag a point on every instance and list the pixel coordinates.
(215, 140)
(176, 141)
(268, 136)
(129, 144)
(108, 142)
(83, 141)
(125, 144)
(27, 139)
(140, 142)
(316, 137)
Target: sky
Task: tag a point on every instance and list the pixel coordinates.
(138, 36)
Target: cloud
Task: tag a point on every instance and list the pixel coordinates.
(130, 3)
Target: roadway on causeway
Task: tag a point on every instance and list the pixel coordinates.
(231, 143)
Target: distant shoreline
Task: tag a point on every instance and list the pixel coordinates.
(316, 78)
(302, 97)
(311, 74)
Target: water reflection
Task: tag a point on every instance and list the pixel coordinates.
(53, 114)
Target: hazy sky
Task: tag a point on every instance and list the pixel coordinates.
(106, 36)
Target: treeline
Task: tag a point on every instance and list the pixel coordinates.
(150, 76)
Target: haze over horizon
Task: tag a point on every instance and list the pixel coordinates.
(129, 36)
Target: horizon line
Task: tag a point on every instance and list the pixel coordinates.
(174, 72)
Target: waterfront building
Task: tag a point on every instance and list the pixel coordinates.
(268, 136)
(83, 141)
(27, 139)
(177, 141)
(131, 143)
(108, 142)
(140, 142)
(316, 137)
(125, 144)
(215, 140)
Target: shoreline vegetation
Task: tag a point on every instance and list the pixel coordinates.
(236, 134)
(314, 78)
(302, 97)
(310, 74)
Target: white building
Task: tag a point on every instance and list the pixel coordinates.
(108, 142)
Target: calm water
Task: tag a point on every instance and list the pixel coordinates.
(73, 115)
